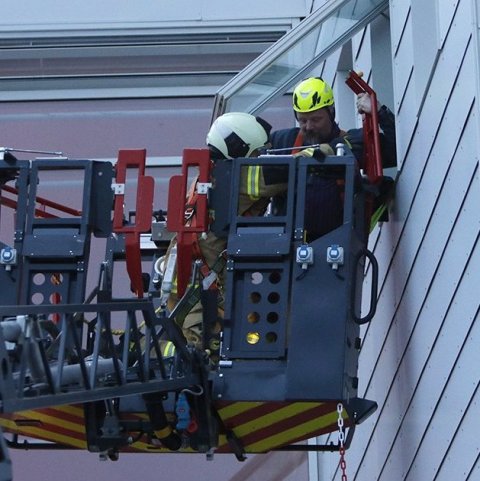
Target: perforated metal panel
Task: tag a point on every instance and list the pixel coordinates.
(289, 329)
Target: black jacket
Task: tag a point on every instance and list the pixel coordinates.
(285, 139)
(323, 202)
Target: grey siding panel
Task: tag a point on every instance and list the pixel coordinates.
(420, 359)
(424, 51)
(329, 68)
(428, 287)
(407, 117)
(475, 472)
(361, 52)
(359, 46)
(382, 78)
(401, 33)
(436, 138)
(454, 402)
(428, 299)
(414, 206)
(446, 12)
(403, 62)
(404, 352)
(465, 447)
(399, 12)
(441, 327)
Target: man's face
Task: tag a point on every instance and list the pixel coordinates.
(315, 126)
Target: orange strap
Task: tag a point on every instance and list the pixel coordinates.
(298, 143)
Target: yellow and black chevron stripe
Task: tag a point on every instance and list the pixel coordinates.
(263, 426)
(259, 426)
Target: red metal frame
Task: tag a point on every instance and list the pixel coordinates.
(44, 203)
(372, 154)
(188, 229)
(143, 212)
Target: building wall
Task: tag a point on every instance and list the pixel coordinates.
(61, 18)
(90, 78)
(420, 359)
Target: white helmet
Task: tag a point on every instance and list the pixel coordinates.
(237, 134)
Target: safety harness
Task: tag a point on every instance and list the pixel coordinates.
(189, 216)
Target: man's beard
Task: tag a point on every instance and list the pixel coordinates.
(311, 138)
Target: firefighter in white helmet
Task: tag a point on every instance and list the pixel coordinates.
(235, 135)
(232, 135)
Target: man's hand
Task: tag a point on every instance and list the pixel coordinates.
(364, 103)
(322, 150)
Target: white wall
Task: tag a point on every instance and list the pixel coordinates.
(60, 85)
(56, 16)
(420, 359)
